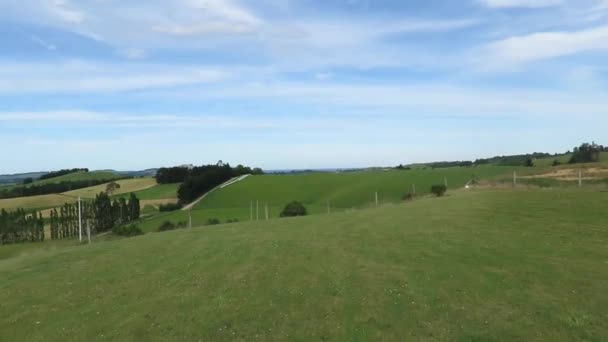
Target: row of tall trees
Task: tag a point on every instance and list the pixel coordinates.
(99, 215)
(19, 227)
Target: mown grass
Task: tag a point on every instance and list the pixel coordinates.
(480, 265)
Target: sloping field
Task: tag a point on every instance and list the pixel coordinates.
(345, 190)
(34, 202)
(158, 192)
(479, 265)
(126, 186)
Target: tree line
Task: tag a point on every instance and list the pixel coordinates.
(179, 174)
(50, 188)
(19, 227)
(587, 153)
(198, 180)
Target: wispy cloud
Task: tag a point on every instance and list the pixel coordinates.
(516, 51)
(521, 3)
(86, 77)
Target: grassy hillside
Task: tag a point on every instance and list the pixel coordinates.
(478, 265)
(344, 191)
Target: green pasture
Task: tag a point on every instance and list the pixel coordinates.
(474, 266)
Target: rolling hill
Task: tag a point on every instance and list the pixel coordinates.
(476, 265)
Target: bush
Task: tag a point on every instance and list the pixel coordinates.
(127, 230)
(439, 190)
(166, 226)
(213, 222)
(169, 207)
(294, 209)
(408, 197)
(529, 162)
(557, 163)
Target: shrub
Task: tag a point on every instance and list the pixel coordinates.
(213, 222)
(169, 207)
(556, 163)
(408, 197)
(294, 209)
(166, 226)
(529, 162)
(439, 190)
(127, 230)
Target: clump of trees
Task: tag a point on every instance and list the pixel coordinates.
(169, 207)
(198, 180)
(294, 209)
(20, 227)
(127, 230)
(586, 153)
(62, 172)
(529, 162)
(439, 190)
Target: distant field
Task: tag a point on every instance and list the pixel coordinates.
(158, 192)
(126, 186)
(50, 201)
(79, 176)
(34, 202)
(477, 265)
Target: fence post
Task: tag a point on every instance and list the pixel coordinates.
(257, 210)
(514, 178)
(266, 209)
(376, 198)
(580, 178)
(80, 220)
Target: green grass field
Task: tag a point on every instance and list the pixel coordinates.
(345, 190)
(476, 265)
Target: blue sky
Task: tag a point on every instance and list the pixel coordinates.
(297, 84)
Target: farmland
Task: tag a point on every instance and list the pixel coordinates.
(469, 266)
(54, 200)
